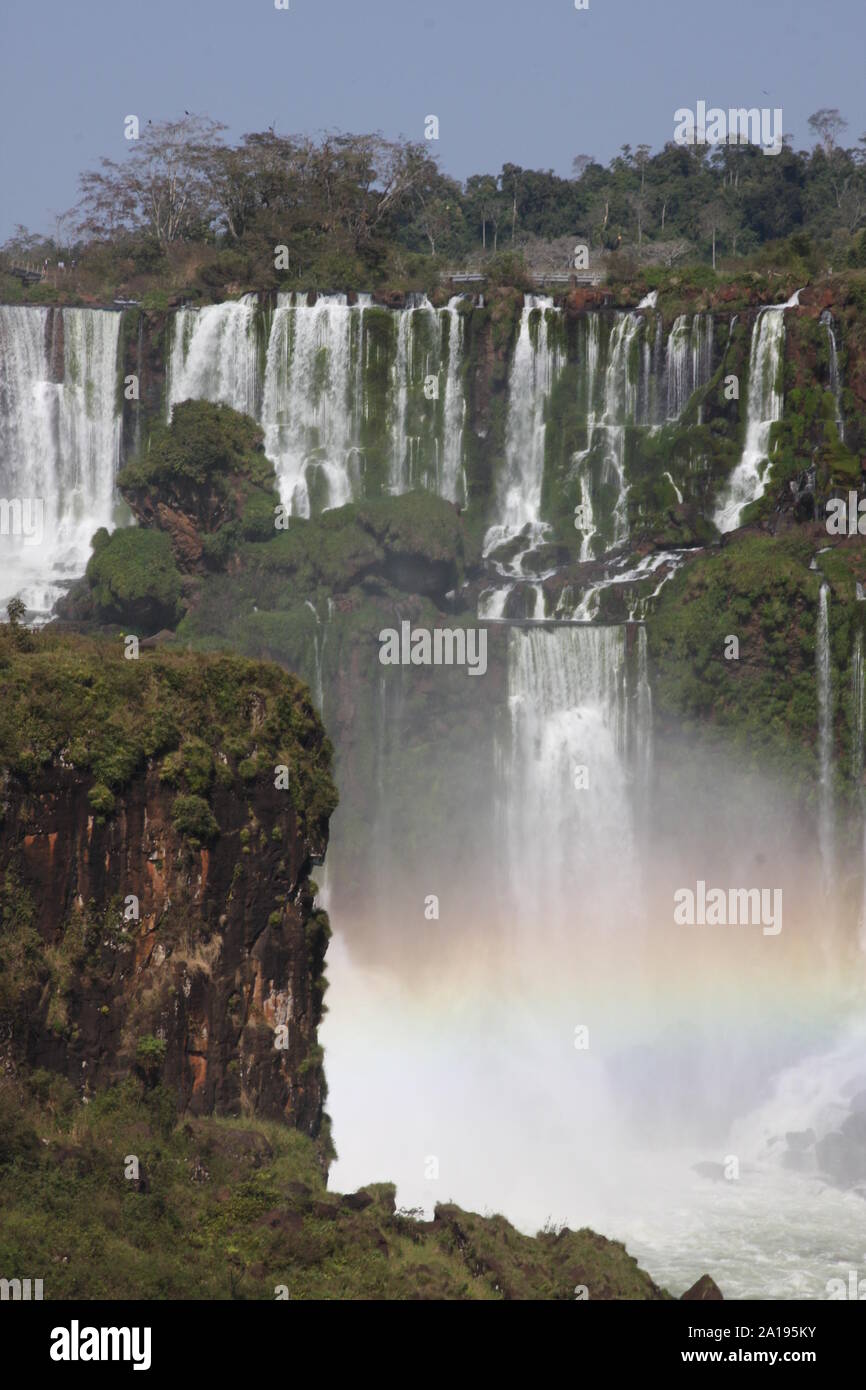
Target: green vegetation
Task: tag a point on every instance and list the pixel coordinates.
(186, 214)
(193, 817)
(134, 580)
(205, 445)
(78, 703)
(239, 1209)
(763, 704)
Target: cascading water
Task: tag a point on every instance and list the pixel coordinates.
(825, 737)
(427, 368)
(835, 377)
(313, 400)
(213, 355)
(534, 369)
(688, 361)
(321, 396)
(602, 463)
(636, 390)
(59, 444)
(763, 408)
(452, 481)
(568, 782)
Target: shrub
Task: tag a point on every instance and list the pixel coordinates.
(150, 1056)
(133, 579)
(101, 799)
(193, 817)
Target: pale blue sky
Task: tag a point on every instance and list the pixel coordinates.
(531, 81)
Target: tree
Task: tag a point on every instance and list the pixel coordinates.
(642, 158)
(714, 219)
(581, 163)
(162, 188)
(827, 124)
(638, 203)
(438, 220)
(482, 197)
(511, 183)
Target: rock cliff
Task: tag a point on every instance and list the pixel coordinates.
(157, 909)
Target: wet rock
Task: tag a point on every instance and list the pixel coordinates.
(356, 1201)
(705, 1290)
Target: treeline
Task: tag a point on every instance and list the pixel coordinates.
(363, 210)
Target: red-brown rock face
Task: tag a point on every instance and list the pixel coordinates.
(225, 948)
(138, 941)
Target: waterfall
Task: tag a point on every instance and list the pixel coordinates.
(835, 379)
(333, 393)
(491, 603)
(452, 482)
(642, 725)
(579, 461)
(534, 369)
(320, 637)
(763, 408)
(825, 737)
(688, 360)
(213, 355)
(572, 719)
(429, 406)
(410, 366)
(313, 401)
(59, 444)
(618, 409)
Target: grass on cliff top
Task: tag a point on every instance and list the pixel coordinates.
(76, 702)
(233, 1209)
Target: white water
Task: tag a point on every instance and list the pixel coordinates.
(825, 737)
(312, 401)
(312, 397)
(568, 711)
(451, 478)
(763, 408)
(688, 362)
(491, 602)
(534, 369)
(59, 444)
(641, 385)
(213, 355)
(835, 378)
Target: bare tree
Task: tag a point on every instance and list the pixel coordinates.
(827, 125)
(162, 187)
(713, 220)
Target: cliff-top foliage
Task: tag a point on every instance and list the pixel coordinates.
(185, 213)
(74, 702)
